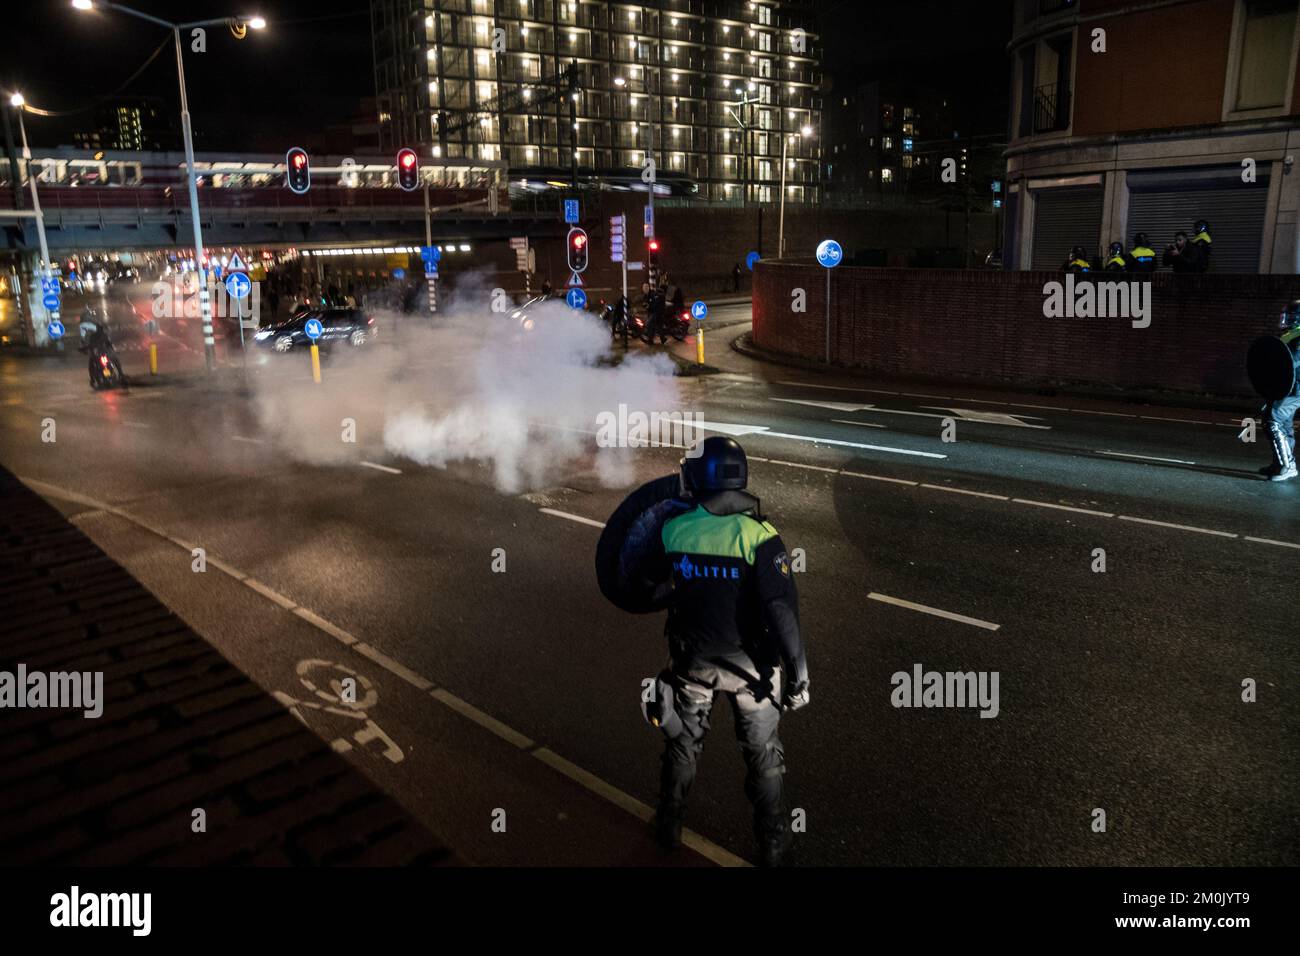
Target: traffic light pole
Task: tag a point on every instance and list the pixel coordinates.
(205, 302)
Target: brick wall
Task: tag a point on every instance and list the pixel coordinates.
(989, 326)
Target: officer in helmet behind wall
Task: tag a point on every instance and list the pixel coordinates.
(733, 629)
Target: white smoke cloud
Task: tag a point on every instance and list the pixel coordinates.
(471, 385)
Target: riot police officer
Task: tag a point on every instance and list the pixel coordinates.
(1279, 415)
(1078, 261)
(1203, 243)
(1142, 258)
(733, 629)
(1117, 261)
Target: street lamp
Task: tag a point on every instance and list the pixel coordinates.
(19, 103)
(256, 23)
(804, 131)
(745, 100)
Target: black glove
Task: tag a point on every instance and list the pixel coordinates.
(796, 696)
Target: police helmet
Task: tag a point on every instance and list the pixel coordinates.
(1202, 226)
(1140, 239)
(1117, 248)
(1078, 252)
(715, 464)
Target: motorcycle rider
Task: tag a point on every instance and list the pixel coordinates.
(655, 306)
(733, 629)
(1279, 415)
(96, 342)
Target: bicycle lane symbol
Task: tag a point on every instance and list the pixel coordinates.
(325, 679)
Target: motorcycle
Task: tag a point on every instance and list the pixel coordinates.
(105, 369)
(671, 322)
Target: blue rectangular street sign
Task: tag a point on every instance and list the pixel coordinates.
(571, 211)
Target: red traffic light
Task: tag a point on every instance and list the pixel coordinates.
(297, 170)
(579, 240)
(654, 245)
(408, 169)
(578, 249)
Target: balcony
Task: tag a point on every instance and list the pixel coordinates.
(1051, 109)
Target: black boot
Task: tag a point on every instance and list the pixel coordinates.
(667, 826)
(774, 840)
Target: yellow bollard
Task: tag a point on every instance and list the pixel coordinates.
(153, 358)
(699, 345)
(315, 363)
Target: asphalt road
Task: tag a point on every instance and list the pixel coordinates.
(1119, 690)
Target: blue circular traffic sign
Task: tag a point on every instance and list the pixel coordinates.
(399, 274)
(55, 329)
(51, 301)
(751, 259)
(829, 253)
(312, 328)
(237, 285)
(576, 298)
(699, 310)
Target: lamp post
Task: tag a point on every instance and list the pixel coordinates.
(745, 100)
(785, 142)
(19, 104)
(256, 23)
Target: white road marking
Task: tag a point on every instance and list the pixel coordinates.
(392, 666)
(319, 622)
(894, 481)
(1180, 527)
(992, 418)
(839, 388)
(728, 428)
(798, 464)
(578, 518)
(1166, 418)
(704, 847)
(1280, 544)
(383, 468)
(833, 406)
(271, 594)
(1172, 461)
(484, 720)
(252, 441)
(1048, 504)
(937, 612)
(966, 491)
(1088, 411)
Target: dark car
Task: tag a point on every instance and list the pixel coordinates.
(353, 327)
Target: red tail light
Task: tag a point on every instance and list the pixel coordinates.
(103, 360)
(370, 320)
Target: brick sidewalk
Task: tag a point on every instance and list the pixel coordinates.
(181, 729)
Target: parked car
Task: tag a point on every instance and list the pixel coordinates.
(354, 327)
